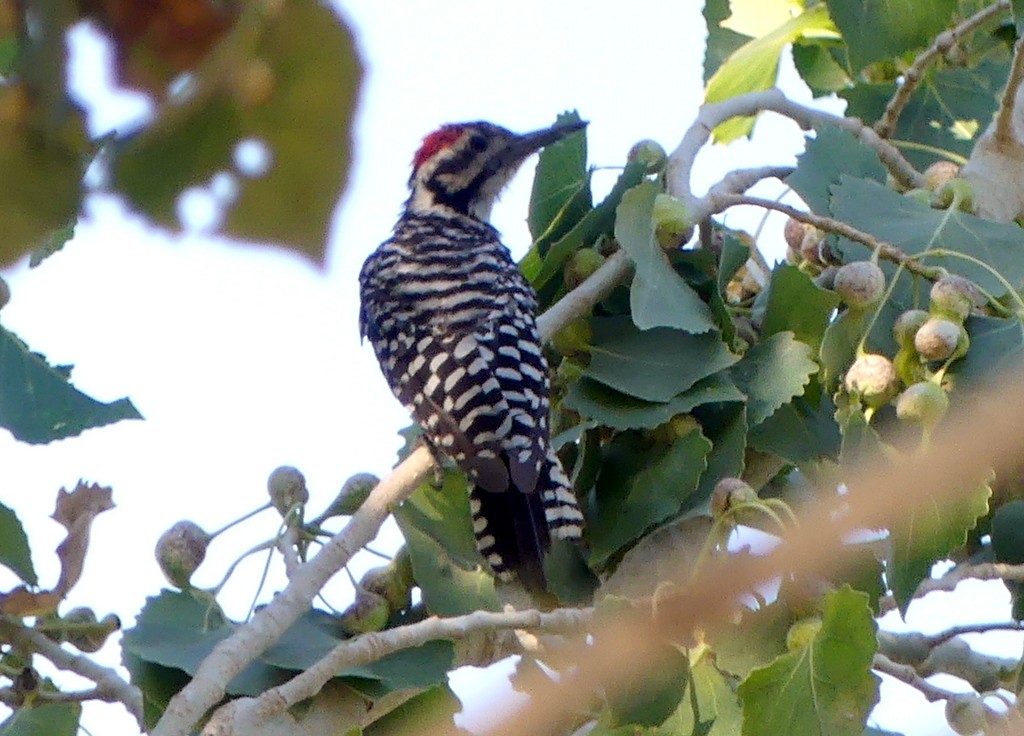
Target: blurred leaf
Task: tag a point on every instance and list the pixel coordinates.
(721, 42)
(639, 488)
(568, 577)
(839, 345)
(38, 404)
(655, 364)
(824, 688)
(799, 431)
(15, 554)
(884, 29)
(437, 527)
(614, 409)
(951, 107)
(773, 372)
(1017, 6)
(305, 123)
(76, 511)
(561, 186)
(659, 297)
(818, 67)
(915, 229)
(648, 698)
(997, 349)
(718, 709)
(755, 65)
(41, 187)
(796, 304)
(666, 554)
(47, 719)
(178, 631)
(436, 705)
(830, 154)
(725, 424)
(53, 243)
(926, 534)
(158, 684)
(756, 641)
(595, 223)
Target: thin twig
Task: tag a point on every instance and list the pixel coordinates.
(907, 674)
(110, 686)
(828, 224)
(1004, 132)
(915, 72)
(12, 698)
(373, 647)
(982, 571)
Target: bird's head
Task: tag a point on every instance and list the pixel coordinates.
(464, 166)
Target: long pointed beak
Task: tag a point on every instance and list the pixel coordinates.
(529, 143)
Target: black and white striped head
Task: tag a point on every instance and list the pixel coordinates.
(464, 166)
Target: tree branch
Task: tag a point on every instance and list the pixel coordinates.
(915, 72)
(907, 674)
(110, 687)
(828, 224)
(680, 162)
(1004, 129)
(372, 647)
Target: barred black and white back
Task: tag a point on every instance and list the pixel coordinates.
(452, 322)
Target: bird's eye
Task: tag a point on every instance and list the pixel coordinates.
(477, 142)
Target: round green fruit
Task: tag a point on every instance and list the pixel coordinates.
(673, 225)
(860, 284)
(923, 402)
(650, 153)
(286, 487)
(574, 338)
(907, 325)
(730, 492)
(581, 265)
(873, 378)
(965, 713)
(939, 173)
(937, 339)
(180, 551)
(801, 634)
(369, 612)
(954, 297)
(352, 495)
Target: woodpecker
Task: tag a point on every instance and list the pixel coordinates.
(453, 324)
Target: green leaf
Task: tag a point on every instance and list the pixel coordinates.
(158, 685)
(659, 297)
(177, 630)
(648, 698)
(799, 431)
(718, 709)
(655, 364)
(15, 554)
(817, 65)
(639, 488)
(568, 577)
(884, 29)
(419, 667)
(725, 425)
(773, 372)
(38, 404)
(997, 349)
(41, 188)
(612, 408)
(825, 689)
(926, 534)
(758, 639)
(595, 223)
(1017, 6)
(561, 186)
(436, 705)
(829, 155)
(839, 345)
(755, 65)
(796, 304)
(951, 107)
(305, 123)
(438, 530)
(721, 42)
(915, 229)
(48, 719)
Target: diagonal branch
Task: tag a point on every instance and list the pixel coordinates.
(915, 72)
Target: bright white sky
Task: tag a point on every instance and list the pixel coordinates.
(244, 359)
